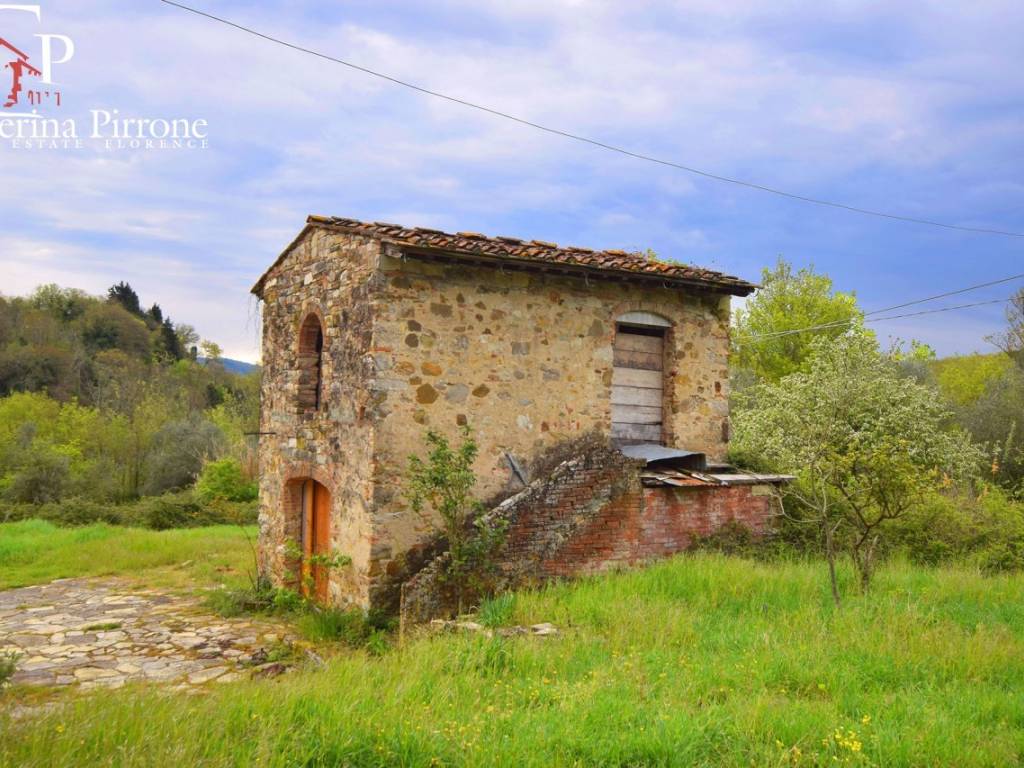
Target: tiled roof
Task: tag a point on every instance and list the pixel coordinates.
(513, 249)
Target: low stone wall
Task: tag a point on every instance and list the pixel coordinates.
(592, 514)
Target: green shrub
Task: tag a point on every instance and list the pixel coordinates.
(8, 663)
(225, 480)
(69, 512)
(286, 600)
(44, 476)
(378, 643)
(171, 510)
(1002, 557)
(987, 530)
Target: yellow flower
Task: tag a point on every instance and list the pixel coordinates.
(60, 728)
(866, 719)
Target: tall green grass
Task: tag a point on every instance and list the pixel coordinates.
(36, 551)
(699, 661)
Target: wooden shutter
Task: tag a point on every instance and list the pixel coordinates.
(638, 385)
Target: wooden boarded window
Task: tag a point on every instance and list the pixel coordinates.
(638, 384)
(311, 350)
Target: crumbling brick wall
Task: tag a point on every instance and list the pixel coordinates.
(593, 514)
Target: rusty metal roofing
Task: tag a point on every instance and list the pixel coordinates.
(530, 252)
(686, 478)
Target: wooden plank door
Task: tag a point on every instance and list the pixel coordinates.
(321, 539)
(638, 385)
(316, 539)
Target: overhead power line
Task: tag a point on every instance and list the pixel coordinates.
(590, 141)
(847, 323)
(894, 307)
(968, 289)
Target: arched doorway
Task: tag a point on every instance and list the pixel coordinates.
(312, 501)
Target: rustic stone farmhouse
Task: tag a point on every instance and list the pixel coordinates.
(374, 332)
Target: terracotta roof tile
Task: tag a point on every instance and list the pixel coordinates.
(514, 249)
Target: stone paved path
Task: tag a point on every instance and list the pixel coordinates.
(100, 633)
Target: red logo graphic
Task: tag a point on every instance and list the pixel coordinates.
(19, 68)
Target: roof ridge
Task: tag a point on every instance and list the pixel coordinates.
(540, 251)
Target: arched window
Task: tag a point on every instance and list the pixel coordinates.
(311, 360)
(638, 372)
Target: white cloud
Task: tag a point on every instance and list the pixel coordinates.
(749, 89)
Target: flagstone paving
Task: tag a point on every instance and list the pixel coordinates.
(101, 633)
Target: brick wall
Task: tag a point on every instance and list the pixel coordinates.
(593, 514)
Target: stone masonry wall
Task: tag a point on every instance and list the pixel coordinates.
(526, 360)
(591, 515)
(333, 277)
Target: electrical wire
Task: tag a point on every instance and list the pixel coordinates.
(948, 293)
(847, 323)
(894, 307)
(590, 141)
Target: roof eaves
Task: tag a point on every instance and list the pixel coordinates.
(737, 288)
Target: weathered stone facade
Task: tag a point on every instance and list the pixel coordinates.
(416, 338)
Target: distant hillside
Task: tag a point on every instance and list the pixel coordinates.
(233, 366)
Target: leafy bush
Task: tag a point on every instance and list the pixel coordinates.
(8, 663)
(440, 489)
(224, 479)
(865, 444)
(172, 510)
(76, 511)
(43, 476)
(180, 448)
(987, 530)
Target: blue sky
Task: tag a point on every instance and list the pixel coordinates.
(906, 107)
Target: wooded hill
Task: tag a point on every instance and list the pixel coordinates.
(102, 399)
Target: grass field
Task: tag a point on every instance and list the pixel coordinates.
(35, 552)
(700, 661)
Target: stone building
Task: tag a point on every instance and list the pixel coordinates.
(374, 332)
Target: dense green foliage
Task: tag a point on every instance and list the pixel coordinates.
(892, 449)
(963, 379)
(103, 401)
(698, 661)
(225, 479)
(988, 395)
(865, 443)
(765, 345)
(184, 509)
